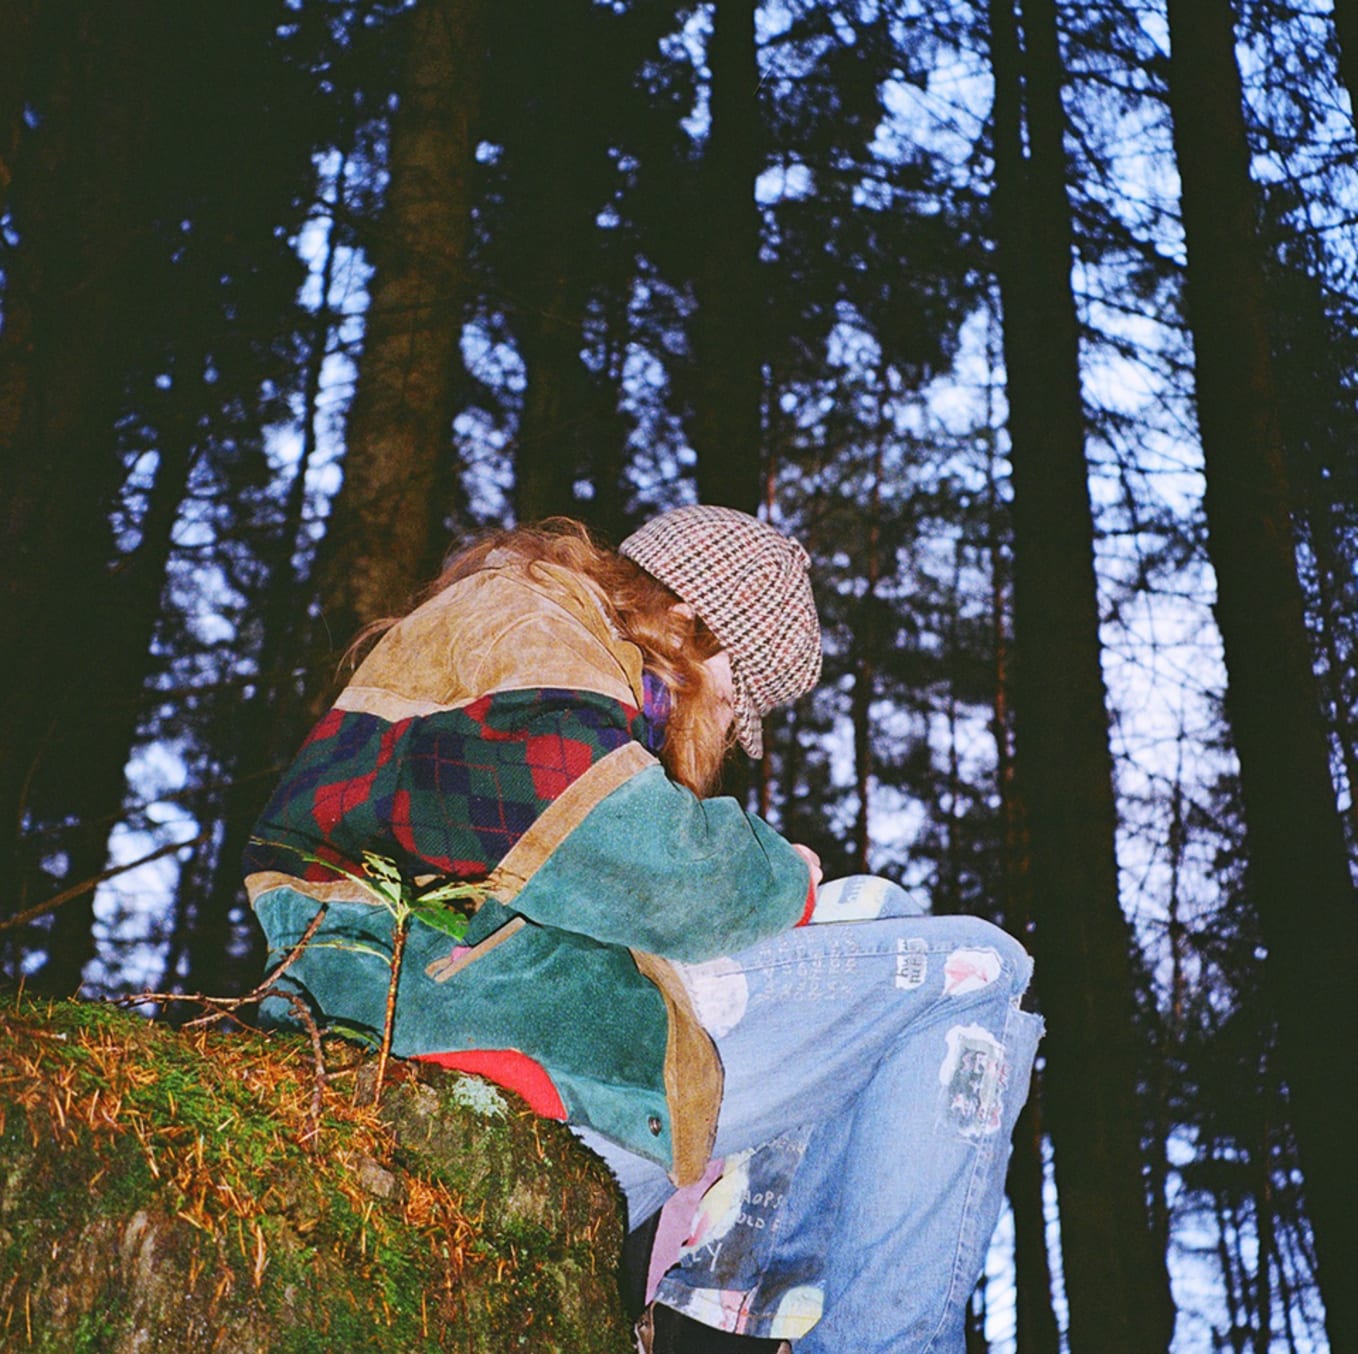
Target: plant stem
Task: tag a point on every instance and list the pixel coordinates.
(398, 945)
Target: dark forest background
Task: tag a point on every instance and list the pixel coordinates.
(1036, 321)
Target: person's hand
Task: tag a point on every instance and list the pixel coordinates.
(812, 861)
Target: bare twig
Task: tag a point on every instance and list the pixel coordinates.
(313, 926)
(218, 1007)
(303, 1013)
(85, 885)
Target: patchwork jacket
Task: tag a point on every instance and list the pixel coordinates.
(497, 735)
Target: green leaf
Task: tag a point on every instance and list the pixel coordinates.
(444, 919)
(351, 947)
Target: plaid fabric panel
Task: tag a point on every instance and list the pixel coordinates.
(445, 794)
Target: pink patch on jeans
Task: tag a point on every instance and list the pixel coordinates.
(676, 1224)
(969, 971)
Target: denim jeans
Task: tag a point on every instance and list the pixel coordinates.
(875, 1063)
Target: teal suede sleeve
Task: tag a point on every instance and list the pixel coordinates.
(655, 868)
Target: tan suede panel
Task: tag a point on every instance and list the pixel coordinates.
(372, 700)
(693, 1074)
(332, 891)
(562, 816)
(497, 630)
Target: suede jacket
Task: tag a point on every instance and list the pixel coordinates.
(498, 736)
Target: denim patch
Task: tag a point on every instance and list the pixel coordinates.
(912, 962)
(973, 1075)
(970, 970)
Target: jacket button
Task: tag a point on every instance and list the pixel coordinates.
(653, 1123)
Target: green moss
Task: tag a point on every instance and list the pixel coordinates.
(156, 1181)
(93, 1333)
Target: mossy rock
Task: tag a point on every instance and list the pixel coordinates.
(187, 1191)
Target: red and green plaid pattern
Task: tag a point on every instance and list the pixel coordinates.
(444, 794)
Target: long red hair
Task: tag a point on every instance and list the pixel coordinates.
(674, 643)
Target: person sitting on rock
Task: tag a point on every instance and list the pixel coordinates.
(829, 1080)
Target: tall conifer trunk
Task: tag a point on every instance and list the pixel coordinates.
(70, 320)
(1115, 1278)
(1299, 875)
(865, 659)
(16, 23)
(727, 328)
(1035, 1316)
(552, 279)
(267, 727)
(1346, 30)
(387, 531)
(90, 754)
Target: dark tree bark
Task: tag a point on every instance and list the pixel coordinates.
(1346, 30)
(71, 317)
(1115, 1278)
(128, 271)
(608, 512)
(1299, 875)
(865, 658)
(388, 527)
(269, 724)
(1313, 357)
(554, 155)
(16, 23)
(726, 418)
(1035, 1318)
(90, 751)
(568, 283)
(1335, 618)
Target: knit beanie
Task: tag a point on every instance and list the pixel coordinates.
(749, 585)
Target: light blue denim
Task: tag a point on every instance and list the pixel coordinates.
(875, 1065)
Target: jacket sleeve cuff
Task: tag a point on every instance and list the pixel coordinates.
(810, 902)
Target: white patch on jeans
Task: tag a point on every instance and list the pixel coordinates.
(798, 1310)
(972, 1075)
(970, 970)
(724, 1309)
(720, 992)
(861, 897)
(912, 962)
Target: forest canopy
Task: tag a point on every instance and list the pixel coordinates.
(1035, 321)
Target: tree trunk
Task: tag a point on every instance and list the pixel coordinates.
(1346, 30)
(388, 528)
(270, 723)
(1299, 874)
(1035, 1316)
(578, 66)
(88, 758)
(1315, 414)
(551, 451)
(1265, 1213)
(16, 23)
(1115, 1279)
(1335, 621)
(71, 315)
(867, 639)
(727, 331)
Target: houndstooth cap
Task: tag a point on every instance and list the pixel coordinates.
(751, 587)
